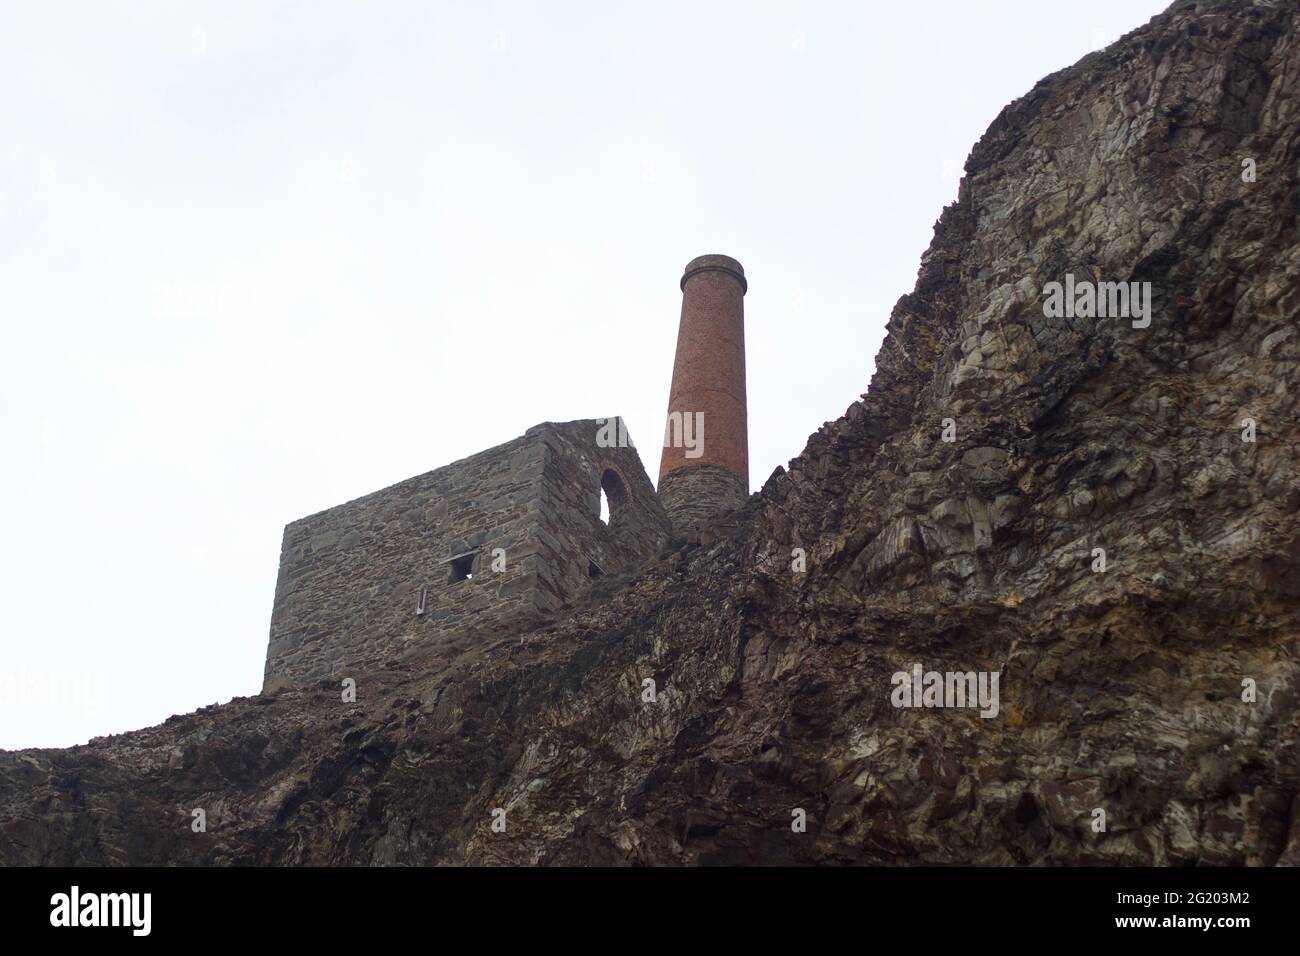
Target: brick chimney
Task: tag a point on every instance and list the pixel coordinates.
(704, 468)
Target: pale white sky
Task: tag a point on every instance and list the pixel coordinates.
(259, 259)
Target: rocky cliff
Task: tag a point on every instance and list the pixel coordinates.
(958, 517)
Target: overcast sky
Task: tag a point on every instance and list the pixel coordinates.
(259, 259)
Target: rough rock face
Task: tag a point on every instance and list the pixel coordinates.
(1120, 690)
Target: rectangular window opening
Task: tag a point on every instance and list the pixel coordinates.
(462, 568)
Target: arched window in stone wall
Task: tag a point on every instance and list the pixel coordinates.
(613, 496)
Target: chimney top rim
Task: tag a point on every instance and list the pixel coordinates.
(716, 262)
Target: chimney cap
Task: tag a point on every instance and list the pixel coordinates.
(716, 263)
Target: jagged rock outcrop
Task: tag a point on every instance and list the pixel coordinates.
(1121, 690)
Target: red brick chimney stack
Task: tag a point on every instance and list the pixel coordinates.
(704, 468)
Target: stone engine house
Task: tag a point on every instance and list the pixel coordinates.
(514, 534)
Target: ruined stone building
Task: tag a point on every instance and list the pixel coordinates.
(514, 533)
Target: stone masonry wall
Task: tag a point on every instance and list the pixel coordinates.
(695, 495)
(577, 545)
(351, 577)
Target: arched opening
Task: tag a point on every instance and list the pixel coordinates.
(613, 496)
